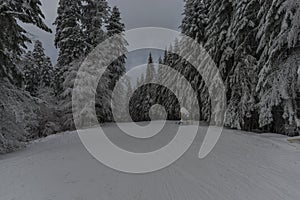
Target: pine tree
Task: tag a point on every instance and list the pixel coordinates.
(30, 73)
(116, 27)
(69, 39)
(195, 19)
(150, 73)
(95, 14)
(194, 25)
(219, 19)
(47, 72)
(279, 59)
(65, 96)
(121, 102)
(69, 36)
(37, 69)
(13, 37)
(241, 61)
(45, 69)
(117, 68)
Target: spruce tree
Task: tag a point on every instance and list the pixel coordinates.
(31, 74)
(194, 25)
(116, 69)
(45, 69)
(37, 69)
(279, 38)
(150, 73)
(69, 39)
(241, 55)
(69, 36)
(116, 27)
(219, 19)
(195, 19)
(95, 14)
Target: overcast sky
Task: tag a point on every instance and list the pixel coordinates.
(135, 14)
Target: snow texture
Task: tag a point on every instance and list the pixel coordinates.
(243, 166)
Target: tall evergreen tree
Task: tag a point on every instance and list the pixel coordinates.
(30, 73)
(44, 64)
(241, 55)
(37, 69)
(116, 27)
(150, 73)
(116, 69)
(279, 51)
(95, 14)
(195, 19)
(69, 36)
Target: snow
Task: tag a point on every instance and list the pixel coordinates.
(242, 166)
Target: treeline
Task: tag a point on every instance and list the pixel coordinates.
(36, 97)
(255, 45)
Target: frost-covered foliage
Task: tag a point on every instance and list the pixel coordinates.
(255, 45)
(240, 61)
(88, 22)
(94, 15)
(145, 96)
(13, 37)
(279, 40)
(69, 36)
(115, 26)
(37, 69)
(79, 29)
(116, 69)
(23, 118)
(65, 104)
(195, 19)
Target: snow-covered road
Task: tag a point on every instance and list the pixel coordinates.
(242, 166)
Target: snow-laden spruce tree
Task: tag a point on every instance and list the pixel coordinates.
(13, 37)
(30, 71)
(90, 27)
(167, 98)
(195, 19)
(279, 37)
(37, 69)
(219, 19)
(94, 15)
(45, 68)
(150, 72)
(115, 28)
(194, 25)
(240, 59)
(65, 97)
(69, 38)
(142, 98)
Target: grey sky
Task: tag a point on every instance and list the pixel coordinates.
(135, 14)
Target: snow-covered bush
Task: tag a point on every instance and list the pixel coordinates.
(23, 118)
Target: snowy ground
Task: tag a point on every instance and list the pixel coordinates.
(242, 166)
